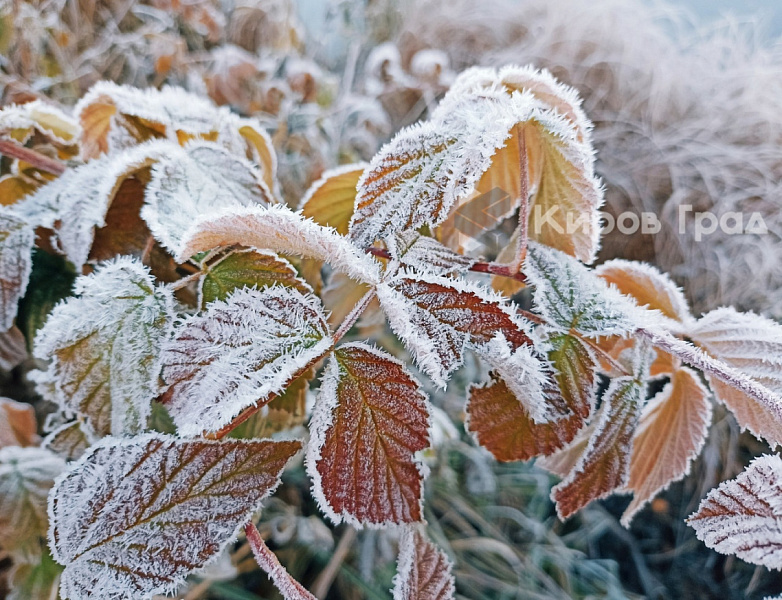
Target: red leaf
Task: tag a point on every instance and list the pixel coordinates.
(370, 419)
(423, 572)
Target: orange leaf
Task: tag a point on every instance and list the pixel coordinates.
(17, 425)
(95, 119)
(670, 434)
(648, 286)
(330, 200)
(742, 516)
(370, 419)
(423, 571)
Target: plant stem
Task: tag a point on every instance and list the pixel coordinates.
(353, 316)
(268, 561)
(521, 249)
(185, 281)
(36, 159)
(323, 583)
(479, 267)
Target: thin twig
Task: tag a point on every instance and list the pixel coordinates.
(268, 561)
(185, 281)
(479, 267)
(353, 315)
(36, 159)
(323, 583)
(521, 249)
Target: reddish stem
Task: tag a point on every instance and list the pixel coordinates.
(479, 267)
(36, 159)
(268, 561)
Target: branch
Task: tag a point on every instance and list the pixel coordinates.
(322, 584)
(268, 561)
(479, 267)
(36, 159)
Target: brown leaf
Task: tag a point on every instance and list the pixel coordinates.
(502, 426)
(69, 441)
(133, 517)
(18, 426)
(423, 571)
(370, 419)
(605, 463)
(13, 348)
(437, 317)
(742, 516)
(670, 434)
(95, 122)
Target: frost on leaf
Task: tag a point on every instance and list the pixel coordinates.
(18, 426)
(330, 200)
(279, 229)
(105, 344)
(436, 317)
(418, 176)
(670, 434)
(752, 345)
(370, 419)
(16, 244)
(195, 181)
(501, 425)
(425, 254)
(114, 117)
(423, 571)
(604, 464)
(548, 156)
(743, 516)
(19, 122)
(239, 353)
(69, 441)
(647, 286)
(76, 203)
(26, 475)
(133, 517)
(247, 268)
(570, 296)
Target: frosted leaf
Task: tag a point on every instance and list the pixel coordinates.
(261, 148)
(605, 463)
(69, 441)
(133, 517)
(743, 516)
(436, 317)
(570, 296)
(752, 345)
(370, 419)
(279, 229)
(426, 254)
(647, 286)
(547, 155)
(501, 425)
(105, 344)
(670, 434)
(13, 348)
(196, 181)
(418, 176)
(523, 372)
(26, 475)
(423, 571)
(114, 117)
(18, 426)
(20, 121)
(239, 353)
(76, 203)
(329, 201)
(16, 244)
(247, 268)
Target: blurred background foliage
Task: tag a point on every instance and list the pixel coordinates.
(684, 113)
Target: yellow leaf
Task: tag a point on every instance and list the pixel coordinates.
(330, 200)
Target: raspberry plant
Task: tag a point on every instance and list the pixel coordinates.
(200, 293)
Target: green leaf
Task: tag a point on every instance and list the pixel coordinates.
(36, 581)
(248, 268)
(105, 346)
